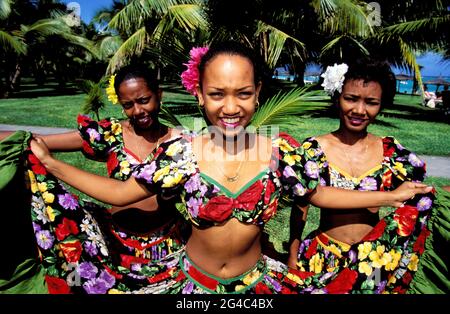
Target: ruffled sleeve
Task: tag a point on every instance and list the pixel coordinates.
(403, 164)
(301, 166)
(99, 138)
(171, 166)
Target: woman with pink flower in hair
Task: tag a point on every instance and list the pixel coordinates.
(353, 251)
(226, 182)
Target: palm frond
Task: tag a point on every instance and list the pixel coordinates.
(108, 45)
(134, 45)
(334, 47)
(409, 56)
(277, 40)
(130, 18)
(168, 118)
(95, 99)
(5, 8)
(276, 110)
(12, 42)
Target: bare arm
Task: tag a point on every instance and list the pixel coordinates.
(330, 197)
(111, 191)
(63, 142)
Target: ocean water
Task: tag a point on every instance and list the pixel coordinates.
(404, 87)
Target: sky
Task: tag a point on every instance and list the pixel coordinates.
(431, 62)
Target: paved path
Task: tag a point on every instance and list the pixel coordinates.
(436, 166)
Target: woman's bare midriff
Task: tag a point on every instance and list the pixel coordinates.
(225, 251)
(348, 226)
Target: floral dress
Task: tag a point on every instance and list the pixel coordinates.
(205, 202)
(103, 141)
(386, 259)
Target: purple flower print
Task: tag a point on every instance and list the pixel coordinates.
(275, 284)
(288, 172)
(299, 190)
(381, 286)
(44, 239)
(188, 289)
(93, 135)
(193, 184)
(415, 161)
(322, 182)
(146, 172)
(99, 285)
(193, 205)
(36, 227)
(368, 184)
(67, 201)
(90, 248)
(424, 203)
(312, 169)
(87, 270)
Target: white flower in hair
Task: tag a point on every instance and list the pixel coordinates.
(334, 78)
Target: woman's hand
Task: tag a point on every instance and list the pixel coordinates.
(407, 191)
(40, 149)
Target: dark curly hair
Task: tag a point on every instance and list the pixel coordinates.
(371, 70)
(233, 48)
(135, 71)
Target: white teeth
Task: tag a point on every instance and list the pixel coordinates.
(232, 120)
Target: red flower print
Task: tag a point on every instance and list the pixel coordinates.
(65, 228)
(323, 239)
(57, 285)
(386, 180)
(104, 123)
(289, 139)
(419, 246)
(399, 290)
(87, 148)
(158, 152)
(83, 120)
(112, 162)
(204, 280)
(406, 217)
(388, 147)
(343, 282)
(161, 277)
(36, 165)
(261, 288)
(270, 211)
(180, 276)
(376, 232)
(127, 260)
(71, 250)
(301, 274)
(286, 290)
(218, 209)
(407, 277)
(312, 249)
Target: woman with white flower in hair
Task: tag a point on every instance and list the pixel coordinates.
(353, 250)
(226, 182)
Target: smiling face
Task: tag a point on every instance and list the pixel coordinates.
(140, 104)
(229, 93)
(359, 104)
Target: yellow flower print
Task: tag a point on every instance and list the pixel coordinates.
(125, 167)
(50, 213)
(33, 183)
(109, 137)
(161, 173)
(395, 258)
(116, 128)
(172, 180)
(413, 262)
(283, 145)
(316, 263)
(291, 159)
(310, 152)
(306, 145)
(251, 277)
(239, 288)
(295, 278)
(399, 167)
(115, 291)
(365, 268)
(392, 280)
(48, 197)
(364, 250)
(174, 149)
(379, 258)
(42, 186)
(334, 249)
(111, 91)
(300, 266)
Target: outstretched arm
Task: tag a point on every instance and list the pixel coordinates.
(111, 191)
(330, 197)
(63, 142)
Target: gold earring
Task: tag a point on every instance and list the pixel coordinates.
(257, 103)
(201, 105)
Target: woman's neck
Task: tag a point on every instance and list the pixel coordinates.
(350, 138)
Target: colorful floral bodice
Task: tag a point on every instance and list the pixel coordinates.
(174, 172)
(398, 165)
(103, 141)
